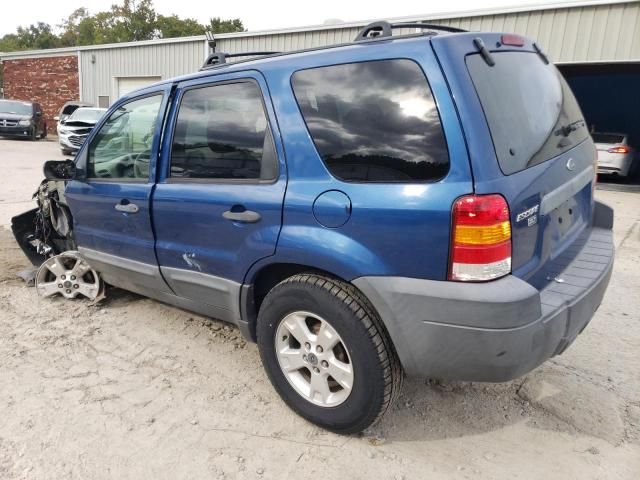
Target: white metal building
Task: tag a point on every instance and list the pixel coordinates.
(579, 33)
(574, 31)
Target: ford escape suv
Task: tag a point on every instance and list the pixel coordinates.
(418, 204)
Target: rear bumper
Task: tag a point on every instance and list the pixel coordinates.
(615, 164)
(499, 330)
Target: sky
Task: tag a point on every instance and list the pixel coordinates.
(256, 15)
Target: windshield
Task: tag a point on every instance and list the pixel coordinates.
(15, 107)
(531, 111)
(91, 115)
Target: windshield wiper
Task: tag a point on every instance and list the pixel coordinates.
(566, 130)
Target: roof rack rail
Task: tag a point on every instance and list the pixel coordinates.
(218, 58)
(384, 29)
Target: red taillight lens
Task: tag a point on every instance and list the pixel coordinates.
(480, 238)
(618, 150)
(513, 40)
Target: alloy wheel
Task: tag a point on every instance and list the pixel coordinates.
(314, 359)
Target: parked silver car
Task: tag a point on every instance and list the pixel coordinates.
(615, 155)
(74, 130)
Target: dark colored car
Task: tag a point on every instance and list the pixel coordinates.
(420, 205)
(22, 119)
(74, 130)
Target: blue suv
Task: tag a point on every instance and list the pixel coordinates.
(417, 204)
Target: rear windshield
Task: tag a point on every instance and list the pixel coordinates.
(531, 111)
(607, 138)
(15, 107)
(373, 121)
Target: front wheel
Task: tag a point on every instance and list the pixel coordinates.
(327, 353)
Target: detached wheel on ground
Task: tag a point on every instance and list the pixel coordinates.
(327, 353)
(69, 275)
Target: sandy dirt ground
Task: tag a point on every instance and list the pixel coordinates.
(134, 389)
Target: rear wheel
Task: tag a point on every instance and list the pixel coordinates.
(327, 354)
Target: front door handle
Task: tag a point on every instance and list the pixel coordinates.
(127, 207)
(245, 216)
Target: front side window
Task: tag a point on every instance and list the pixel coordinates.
(222, 133)
(373, 121)
(122, 147)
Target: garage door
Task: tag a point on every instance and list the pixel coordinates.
(129, 84)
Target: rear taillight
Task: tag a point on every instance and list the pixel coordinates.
(480, 238)
(622, 149)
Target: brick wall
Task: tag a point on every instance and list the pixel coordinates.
(49, 81)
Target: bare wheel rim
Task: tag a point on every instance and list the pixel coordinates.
(69, 275)
(314, 359)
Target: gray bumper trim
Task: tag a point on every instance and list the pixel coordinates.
(499, 330)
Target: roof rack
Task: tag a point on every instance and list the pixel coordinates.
(384, 29)
(217, 58)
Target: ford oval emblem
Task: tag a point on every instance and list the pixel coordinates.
(571, 164)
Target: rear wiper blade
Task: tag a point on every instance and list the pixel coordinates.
(566, 130)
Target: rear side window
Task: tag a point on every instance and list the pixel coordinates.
(373, 121)
(531, 111)
(222, 133)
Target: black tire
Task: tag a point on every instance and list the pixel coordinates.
(34, 134)
(377, 371)
(43, 135)
(65, 152)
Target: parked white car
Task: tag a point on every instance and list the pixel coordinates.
(74, 130)
(615, 155)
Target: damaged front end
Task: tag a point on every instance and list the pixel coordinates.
(45, 235)
(46, 230)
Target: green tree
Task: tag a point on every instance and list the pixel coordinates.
(70, 35)
(217, 25)
(37, 37)
(126, 21)
(174, 26)
(9, 43)
(135, 20)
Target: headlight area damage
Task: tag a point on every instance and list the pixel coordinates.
(45, 235)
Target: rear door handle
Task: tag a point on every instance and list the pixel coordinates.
(245, 216)
(127, 207)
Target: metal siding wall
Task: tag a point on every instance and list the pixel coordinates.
(165, 60)
(578, 34)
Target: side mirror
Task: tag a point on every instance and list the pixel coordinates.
(38, 114)
(56, 118)
(59, 170)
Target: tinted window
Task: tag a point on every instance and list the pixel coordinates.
(122, 147)
(373, 121)
(222, 133)
(531, 112)
(607, 138)
(16, 107)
